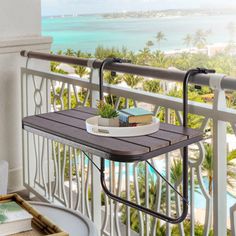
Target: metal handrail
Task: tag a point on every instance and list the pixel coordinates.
(227, 83)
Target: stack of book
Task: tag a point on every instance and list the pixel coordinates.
(135, 117)
(13, 219)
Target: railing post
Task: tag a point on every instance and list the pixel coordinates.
(35, 97)
(168, 192)
(233, 220)
(219, 165)
(95, 183)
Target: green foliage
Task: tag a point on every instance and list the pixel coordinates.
(232, 155)
(176, 171)
(102, 52)
(106, 110)
(199, 229)
(152, 86)
(81, 71)
(54, 68)
(207, 167)
(132, 80)
(70, 52)
(223, 62)
(112, 79)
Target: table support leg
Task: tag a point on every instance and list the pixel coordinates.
(149, 211)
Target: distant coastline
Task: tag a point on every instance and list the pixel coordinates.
(170, 13)
(155, 13)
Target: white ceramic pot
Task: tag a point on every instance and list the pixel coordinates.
(108, 122)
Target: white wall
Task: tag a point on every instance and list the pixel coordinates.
(20, 27)
(20, 18)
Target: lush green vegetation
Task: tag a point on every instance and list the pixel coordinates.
(224, 62)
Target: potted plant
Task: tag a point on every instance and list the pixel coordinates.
(108, 116)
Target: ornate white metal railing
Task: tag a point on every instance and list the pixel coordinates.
(60, 173)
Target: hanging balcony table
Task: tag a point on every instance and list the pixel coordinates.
(69, 127)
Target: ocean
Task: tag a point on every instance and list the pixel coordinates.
(87, 32)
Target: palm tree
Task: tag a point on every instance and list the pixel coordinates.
(160, 59)
(81, 71)
(188, 39)
(60, 52)
(176, 171)
(207, 167)
(144, 56)
(112, 79)
(132, 80)
(54, 66)
(149, 43)
(183, 61)
(69, 52)
(160, 37)
(79, 53)
(200, 38)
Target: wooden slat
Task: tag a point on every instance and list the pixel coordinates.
(108, 145)
(89, 110)
(76, 114)
(191, 133)
(172, 138)
(150, 142)
(60, 118)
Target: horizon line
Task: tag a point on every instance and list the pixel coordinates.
(124, 11)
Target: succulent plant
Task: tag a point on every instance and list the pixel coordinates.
(106, 110)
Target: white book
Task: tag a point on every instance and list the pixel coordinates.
(13, 219)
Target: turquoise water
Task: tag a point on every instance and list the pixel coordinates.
(87, 32)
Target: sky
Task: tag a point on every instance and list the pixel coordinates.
(62, 7)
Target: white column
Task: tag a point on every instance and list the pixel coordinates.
(219, 167)
(20, 26)
(96, 186)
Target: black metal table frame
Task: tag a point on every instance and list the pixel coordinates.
(184, 196)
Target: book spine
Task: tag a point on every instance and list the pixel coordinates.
(123, 117)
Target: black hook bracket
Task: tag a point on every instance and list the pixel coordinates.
(104, 63)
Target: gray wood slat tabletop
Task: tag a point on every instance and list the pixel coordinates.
(70, 125)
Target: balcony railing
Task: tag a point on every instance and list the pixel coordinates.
(62, 174)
